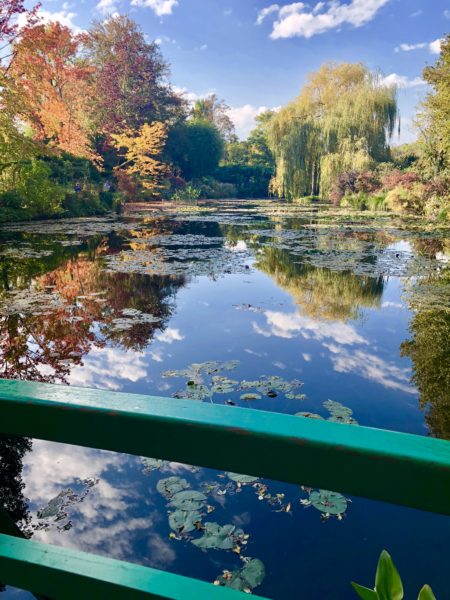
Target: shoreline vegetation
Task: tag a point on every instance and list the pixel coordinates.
(90, 122)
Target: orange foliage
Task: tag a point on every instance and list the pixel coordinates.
(53, 87)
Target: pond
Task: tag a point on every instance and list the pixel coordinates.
(286, 308)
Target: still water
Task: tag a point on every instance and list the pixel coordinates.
(263, 305)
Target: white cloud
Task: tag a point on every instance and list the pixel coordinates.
(106, 368)
(191, 97)
(447, 14)
(417, 13)
(45, 16)
(243, 118)
(297, 19)
(409, 47)
(370, 366)
(289, 325)
(402, 81)
(159, 7)
(51, 467)
(435, 47)
(169, 335)
(265, 12)
(107, 6)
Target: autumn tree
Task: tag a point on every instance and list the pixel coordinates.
(141, 151)
(50, 85)
(342, 120)
(131, 78)
(214, 111)
(10, 13)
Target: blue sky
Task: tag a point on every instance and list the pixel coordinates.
(256, 54)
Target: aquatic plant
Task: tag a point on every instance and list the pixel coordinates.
(388, 584)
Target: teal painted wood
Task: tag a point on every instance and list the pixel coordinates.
(383, 465)
(63, 573)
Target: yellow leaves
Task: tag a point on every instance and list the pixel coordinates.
(141, 150)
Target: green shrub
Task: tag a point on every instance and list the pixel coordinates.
(187, 193)
(358, 201)
(40, 195)
(216, 190)
(84, 203)
(377, 202)
(10, 200)
(405, 200)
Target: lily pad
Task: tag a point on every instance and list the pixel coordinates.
(153, 464)
(183, 521)
(251, 397)
(242, 478)
(171, 485)
(327, 502)
(188, 500)
(55, 505)
(246, 579)
(339, 413)
(309, 415)
(218, 537)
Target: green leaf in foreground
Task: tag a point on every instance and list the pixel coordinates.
(426, 593)
(388, 583)
(364, 593)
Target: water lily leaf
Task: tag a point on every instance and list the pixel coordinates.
(153, 464)
(218, 537)
(55, 505)
(309, 415)
(254, 572)
(242, 478)
(183, 521)
(251, 397)
(171, 485)
(189, 500)
(193, 391)
(332, 503)
(245, 579)
(339, 413)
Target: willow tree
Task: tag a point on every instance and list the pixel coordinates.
(342, 120)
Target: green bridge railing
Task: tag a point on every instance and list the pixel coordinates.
(400, 468)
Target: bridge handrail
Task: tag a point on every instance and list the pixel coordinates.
(399, 468)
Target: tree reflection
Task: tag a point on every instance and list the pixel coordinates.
(320, 292)
(44, 345)
(429, 350)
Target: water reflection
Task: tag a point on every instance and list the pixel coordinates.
(429, 349)
(114, 304)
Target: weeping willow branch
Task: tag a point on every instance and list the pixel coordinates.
(342, 120)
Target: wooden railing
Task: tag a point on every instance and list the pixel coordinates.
(400, 468)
